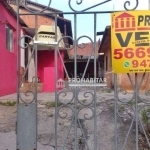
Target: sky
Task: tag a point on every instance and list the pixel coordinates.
(85, 23)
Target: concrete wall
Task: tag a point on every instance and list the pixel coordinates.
(8, 67)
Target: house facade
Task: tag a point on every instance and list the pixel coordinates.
(46, 66)
(8, 51)
(83, 53)
(106, 58)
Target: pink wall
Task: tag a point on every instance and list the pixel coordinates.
(46, 69)
(8, 67)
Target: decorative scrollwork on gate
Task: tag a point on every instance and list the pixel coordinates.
(24, 98)
(80, 2)
(66, 44)
(129, 3)
(123, 93)
(135, 109)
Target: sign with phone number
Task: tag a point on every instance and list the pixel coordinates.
(130, 32)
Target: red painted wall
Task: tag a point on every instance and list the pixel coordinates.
(8, 59)
(46, 69)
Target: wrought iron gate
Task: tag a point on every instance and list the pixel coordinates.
(27, 109)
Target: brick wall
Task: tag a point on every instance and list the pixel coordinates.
(30, 19)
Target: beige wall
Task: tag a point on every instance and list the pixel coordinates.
(125, 82)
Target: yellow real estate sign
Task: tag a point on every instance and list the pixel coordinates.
(130, 38)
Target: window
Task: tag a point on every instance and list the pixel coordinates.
(106, 63)
(9, 38)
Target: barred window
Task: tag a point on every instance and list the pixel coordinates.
(9, 38)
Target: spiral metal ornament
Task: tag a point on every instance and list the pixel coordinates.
(145, 98)
(86, 95)
(86, 115)
(123, 107)
(28, 93)
(64, 95)
(124, 93)
(26, 44)
(65, 45)
(83, 44)
(80, 2)
(66, 114)
(129, 3)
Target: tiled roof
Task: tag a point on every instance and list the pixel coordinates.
(106, 40)
(12, 12)
(86, 50)
(43, 6)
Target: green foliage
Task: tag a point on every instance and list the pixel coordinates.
(78, 107)
(8, 103)
(144, 115)
(84, 100)
(52, 104)
(121, 108)
(108, 91)
(131, 103)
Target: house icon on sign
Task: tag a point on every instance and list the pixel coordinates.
(60, 83)
(124, 22)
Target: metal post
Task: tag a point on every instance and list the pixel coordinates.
(36, 67)
(95, 97)
(115, 108)
(18, 58)
(56, 78)
(136, 109)
(75, 76)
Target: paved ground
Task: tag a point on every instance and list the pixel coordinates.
(46, 123)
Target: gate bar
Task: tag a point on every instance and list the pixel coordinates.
(71, 13)
(75, 76)
(56, 78)
(136, 109)
(115, 108)
(95, 97)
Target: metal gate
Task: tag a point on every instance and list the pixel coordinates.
(71, 106)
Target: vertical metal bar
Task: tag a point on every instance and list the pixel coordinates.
(17, 48)
(115, 108)
(95, 98)
(75, 76)
(136, 109)
(56, 78)
(17, 86)
(36, 66)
